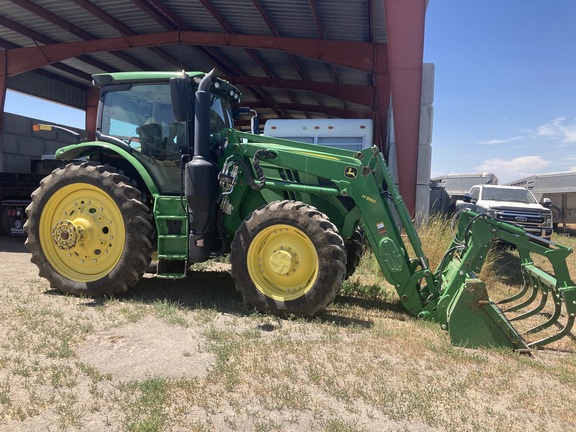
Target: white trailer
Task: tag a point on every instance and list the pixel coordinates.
(348, 134)
(447, 189)
(560, 188)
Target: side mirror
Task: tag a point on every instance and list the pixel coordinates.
(255, 123)
(467, 198)
(254, 120)
(182, 101)
(547, 202)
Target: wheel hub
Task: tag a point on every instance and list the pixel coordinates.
(67, 235)
(281, 262)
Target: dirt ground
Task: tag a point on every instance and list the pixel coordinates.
(133, 351)
(122, 351)
(188, 355)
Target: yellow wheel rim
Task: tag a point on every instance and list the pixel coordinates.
(82, 232)
(282, 262)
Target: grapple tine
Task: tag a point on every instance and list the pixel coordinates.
(565, 330)
(538, 285)
(568, 295)
(535, 311)
(562, 293)
(517, 296)
(553, 318)
(525, 303)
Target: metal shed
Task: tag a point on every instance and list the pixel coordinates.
(290, 58)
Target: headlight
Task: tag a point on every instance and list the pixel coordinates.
(491, 213)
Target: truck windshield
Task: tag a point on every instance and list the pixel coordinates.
(141, 115)
(510, 195)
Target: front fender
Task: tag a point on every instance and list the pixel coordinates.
(76, 151)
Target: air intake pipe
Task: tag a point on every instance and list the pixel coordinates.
(201, 184)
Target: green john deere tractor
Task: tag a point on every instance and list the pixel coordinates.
(170, 175)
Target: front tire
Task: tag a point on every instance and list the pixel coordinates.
(288, 259)
(89, 233)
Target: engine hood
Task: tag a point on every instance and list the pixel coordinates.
(499, 205)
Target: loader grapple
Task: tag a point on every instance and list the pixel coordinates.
(543, 303)
(540, 293)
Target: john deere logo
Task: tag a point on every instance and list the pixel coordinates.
(351, 172)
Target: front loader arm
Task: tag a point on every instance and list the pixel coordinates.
(362, 176)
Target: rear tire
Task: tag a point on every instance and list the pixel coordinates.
(288, 259)
(89, 233)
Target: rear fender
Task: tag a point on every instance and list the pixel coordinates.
(86, 149)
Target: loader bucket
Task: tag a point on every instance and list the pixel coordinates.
(528, 319)
(475, 321)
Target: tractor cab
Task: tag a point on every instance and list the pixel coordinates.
(136, 110)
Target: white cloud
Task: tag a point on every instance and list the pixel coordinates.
(514, 169)
(500, 141)
(558, 128)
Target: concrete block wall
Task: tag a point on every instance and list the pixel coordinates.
(20, 145)
(424, 145)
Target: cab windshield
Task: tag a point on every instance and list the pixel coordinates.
(141, 115)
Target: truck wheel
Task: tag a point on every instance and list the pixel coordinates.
(354, 250)
(556, 216)
(288, 259)
(89, 233)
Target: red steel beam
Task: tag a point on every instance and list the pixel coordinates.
(405, 30)
(355, 55)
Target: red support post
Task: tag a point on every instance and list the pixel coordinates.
(92, 98)
(3, 82)
(405, 30)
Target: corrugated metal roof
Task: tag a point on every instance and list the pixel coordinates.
(28, 23)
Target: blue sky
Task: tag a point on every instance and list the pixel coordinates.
(40, 109)
(505, 87)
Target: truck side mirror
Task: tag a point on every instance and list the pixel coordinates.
(547, 202)
(254, 121)
(467, 198)
(255, 124)
(182, 102)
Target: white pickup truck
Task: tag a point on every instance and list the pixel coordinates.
(515, 205)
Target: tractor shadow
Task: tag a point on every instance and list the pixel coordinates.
(199, 290)
(216, 290)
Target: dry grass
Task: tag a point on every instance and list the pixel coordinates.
(364, 365)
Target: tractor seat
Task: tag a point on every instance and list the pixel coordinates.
(150, 135)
